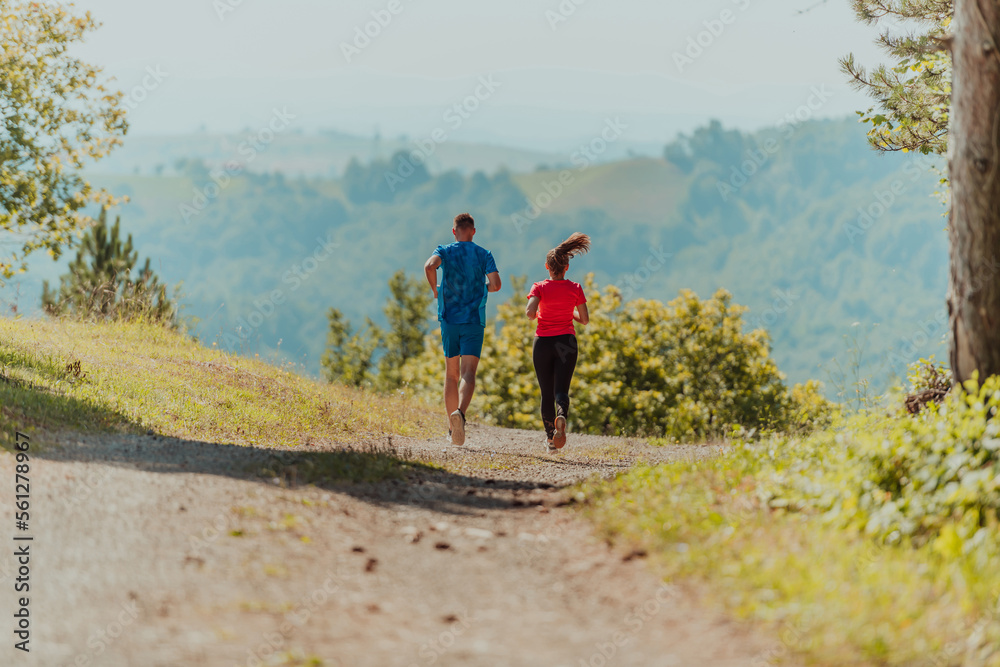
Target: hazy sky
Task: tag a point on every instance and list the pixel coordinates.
(227, 63)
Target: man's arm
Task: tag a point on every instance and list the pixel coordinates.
(494, 280)
(431, 271)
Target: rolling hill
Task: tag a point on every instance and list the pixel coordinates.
(791, 242)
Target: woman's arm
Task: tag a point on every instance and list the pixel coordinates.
(532, 310)
(582, 315)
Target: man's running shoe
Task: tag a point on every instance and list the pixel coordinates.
(559, 439)
(552, 450)
(457, 422)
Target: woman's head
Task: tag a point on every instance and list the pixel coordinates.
(558, 258)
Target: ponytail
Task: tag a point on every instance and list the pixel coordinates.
(558, 258)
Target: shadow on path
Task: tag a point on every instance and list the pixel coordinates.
(378, 474)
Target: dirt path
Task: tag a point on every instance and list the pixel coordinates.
(151, 551)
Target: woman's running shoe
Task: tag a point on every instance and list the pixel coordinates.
(559, 439)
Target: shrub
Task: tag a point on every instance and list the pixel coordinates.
(929, 382)
(914, 478)
(683, 370)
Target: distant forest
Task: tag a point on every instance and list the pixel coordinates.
(820, 237)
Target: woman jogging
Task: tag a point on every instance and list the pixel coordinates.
(555, 303)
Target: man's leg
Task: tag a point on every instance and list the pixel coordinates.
(452, 359)
(456, 420)
(472, 349)
(452, 375)
(470, 365)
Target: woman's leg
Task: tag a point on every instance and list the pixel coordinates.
(566, 354)
(544, 358)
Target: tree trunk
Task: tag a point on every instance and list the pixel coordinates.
(974, 167)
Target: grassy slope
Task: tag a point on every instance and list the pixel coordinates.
(834, 597)
(134, 377)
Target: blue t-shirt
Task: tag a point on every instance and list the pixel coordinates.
(462, 295)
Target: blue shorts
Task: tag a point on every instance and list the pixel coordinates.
(462, 340)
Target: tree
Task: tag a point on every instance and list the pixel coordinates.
(974, 232)
(407, 313)
(348, 356)
(946, 89)
(680, 156)
(100, 283)
(712, 142)
(382, 181)
(57, 115)
(913, 95)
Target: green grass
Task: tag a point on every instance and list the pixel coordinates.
(833, 596)
(132, 377)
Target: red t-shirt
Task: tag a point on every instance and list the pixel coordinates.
(557, 299)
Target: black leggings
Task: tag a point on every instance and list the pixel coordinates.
(555, 361)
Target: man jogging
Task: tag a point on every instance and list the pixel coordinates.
(468, 274)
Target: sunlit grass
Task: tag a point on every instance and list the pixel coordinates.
(614, 451)
(133, 377)
(832, 596)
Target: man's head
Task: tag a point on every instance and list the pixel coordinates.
(465, 227)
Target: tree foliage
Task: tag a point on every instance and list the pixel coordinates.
(712, 142)
(382, 181)
(683, 370)
(407, 312)
(913, 479)
(100, 283)
(58, 114)
(350, 357)
(913, 95)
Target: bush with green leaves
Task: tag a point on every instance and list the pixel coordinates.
(933, 477)
(684, 370)
(775, 528)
